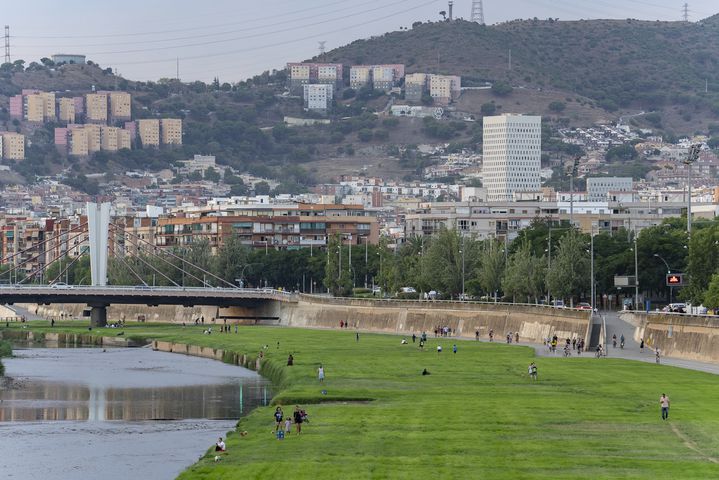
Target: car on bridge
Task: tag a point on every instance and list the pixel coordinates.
(60, 285)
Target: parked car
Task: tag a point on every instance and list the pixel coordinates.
(584, 306)
(676, 308)
(407, 290)
(558, 303)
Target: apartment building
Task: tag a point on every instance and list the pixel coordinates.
(149, 132)
(66, 110)
(108, 138)
(13, 146)
(599, 188)
(360, 76)
(305, 73)
(96, 107)
(415, 85)
(512, 147)
(171, 131)
(120, 106)
(94, 137)
(444, 89)
(34, 108)
(77, 142)
(124, 139)
(318, 97)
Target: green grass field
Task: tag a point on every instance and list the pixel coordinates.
(476, 416)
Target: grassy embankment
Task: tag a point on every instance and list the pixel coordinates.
(5, 351)
(476, 416)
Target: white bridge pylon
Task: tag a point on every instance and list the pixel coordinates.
(98, 225)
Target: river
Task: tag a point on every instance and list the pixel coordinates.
(116, 413)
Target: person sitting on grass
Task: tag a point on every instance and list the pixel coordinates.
(220, 445)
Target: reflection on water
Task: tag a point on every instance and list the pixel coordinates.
(125, 384)
(59, 401)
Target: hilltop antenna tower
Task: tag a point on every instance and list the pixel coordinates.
(477, 12)
(7, 43)
(685, 12)
(451, 5)
(322, 46)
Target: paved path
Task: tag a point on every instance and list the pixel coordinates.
(616, 325)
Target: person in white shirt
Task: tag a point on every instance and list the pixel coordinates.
(220, 445)
(664, 402)
(321, 373)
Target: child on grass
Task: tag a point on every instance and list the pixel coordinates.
(288, 425)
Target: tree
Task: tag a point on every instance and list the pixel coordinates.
(443, 261)
(711, 298)
(703, 261)
(490, 270)
(232, 260)
(557, 106)
(212, 175)
(524, 276)
(488, 108)
(337, 274)
(501, 89)
(568, 276)
(262, 188)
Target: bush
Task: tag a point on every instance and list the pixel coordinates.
(488, 108)
(502, 89)
(364, 135)
(5, 349)
(557, 106)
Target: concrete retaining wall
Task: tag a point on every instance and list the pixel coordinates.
(682, 336)
(534, 323)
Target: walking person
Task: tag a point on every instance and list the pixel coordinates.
(664, 402)
(621, 341)
(357, 336)
(516, 337)
(574, 344)
(641, 346)
(298, 418)
(656, 356)
(476, 335)
(279, 415)
(491, 335)
(321, 374)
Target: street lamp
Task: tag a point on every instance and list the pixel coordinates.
(692, 157)
(669, 270)
(636, 274)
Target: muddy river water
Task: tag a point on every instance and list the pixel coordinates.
(87, 413)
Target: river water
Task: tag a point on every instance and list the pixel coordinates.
(87, 413)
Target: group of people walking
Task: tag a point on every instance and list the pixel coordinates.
(284, 423)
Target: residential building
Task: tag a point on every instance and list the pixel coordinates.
(108, 138)
(13, 146)
(96, 107)
(34, 108)
(598, 188)
(171, 131)
(79, 105)
(16, 107)
(48, 106)
(360, 76)
(66, 110)
(149, 132)
(120, 106)
(305, 73)
(512, 147)
(318, 97)
(77, 144)
(444, 89)
(59, 58)
(94, 137)
(415, 85)
(124, 139)
(200, 163)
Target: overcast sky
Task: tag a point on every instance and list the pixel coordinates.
(234, 39)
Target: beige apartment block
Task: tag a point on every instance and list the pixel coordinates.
(35, 108)
(359, 76)
(124, 139)
(120, 106)
(96, 107)
(300, 71)
(77, 142)
(13, 146)
(171, 131)
(94, 137)
(67, 110)
(149, 131)
(108, 138)
(48, 99)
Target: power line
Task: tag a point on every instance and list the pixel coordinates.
(282, 43)
(159, 32)
(7, 43)
(206, 35)
(685, 12)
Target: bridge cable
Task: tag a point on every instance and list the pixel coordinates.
(139, 257)
(4, 260)
(45, 265)
(124, 262)
(182, 260)
(67, 267)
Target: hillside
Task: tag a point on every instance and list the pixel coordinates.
(620, 65)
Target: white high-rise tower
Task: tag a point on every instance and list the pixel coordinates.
(512, 155)
(477, 12)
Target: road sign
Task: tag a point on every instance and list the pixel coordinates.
(624, 281)
(675, 279)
